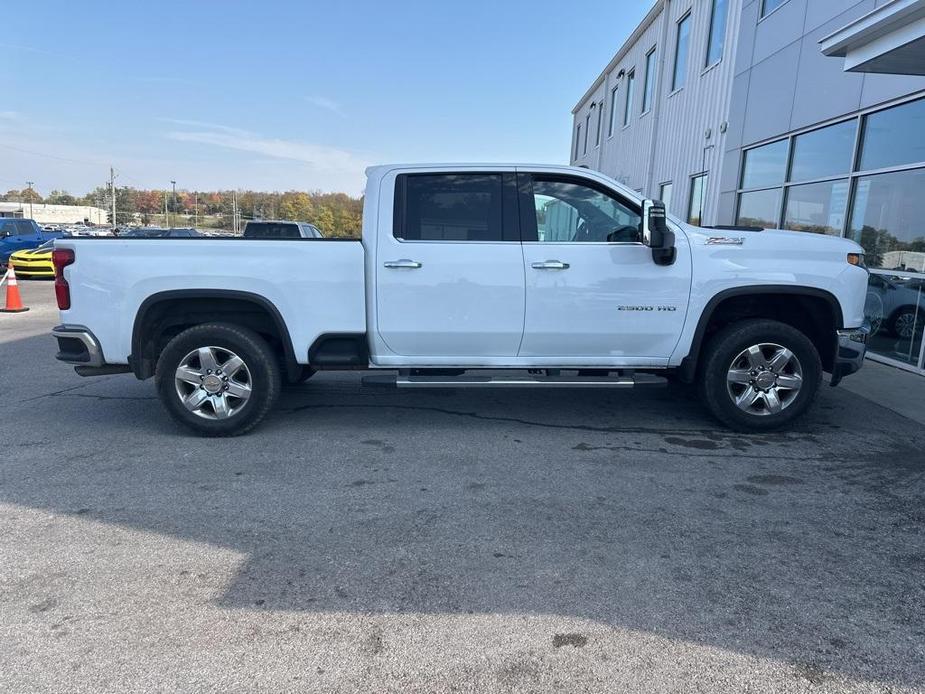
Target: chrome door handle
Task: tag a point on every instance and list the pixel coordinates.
(550, 265)
(403, 263)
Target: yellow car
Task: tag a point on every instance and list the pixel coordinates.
(33, 262)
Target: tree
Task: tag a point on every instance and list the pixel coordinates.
(60, 197)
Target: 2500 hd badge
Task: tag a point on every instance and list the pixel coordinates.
(647, 308)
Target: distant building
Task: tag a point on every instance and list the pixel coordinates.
(802, 114)
(55, 214)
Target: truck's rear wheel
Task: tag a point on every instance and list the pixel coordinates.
(759, 375)
(218, 379)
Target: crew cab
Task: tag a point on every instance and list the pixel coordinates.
(473, 276)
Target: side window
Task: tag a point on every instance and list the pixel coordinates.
(449, 207)
(23, 227)
(569, 211)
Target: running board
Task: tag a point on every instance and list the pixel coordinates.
(639, 380)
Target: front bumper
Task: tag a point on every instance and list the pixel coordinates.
(850, 348)
(77, 345)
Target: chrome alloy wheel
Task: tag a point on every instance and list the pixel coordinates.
(213, 382)
(905, 325)
(764, 379)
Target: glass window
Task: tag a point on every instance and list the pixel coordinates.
(886, 218)
(648, 87)
(587, 129)
(770, 5)
(680, 53)
(818, 208)
(613, 111)
(695, 204)
(664, 194)
(894, 137)
(717, 31)
(452, 207)
(600, 119)
(765, 166)
(577, 139)
(760, 208)
(628, 106)
(822, 153)
(568, 212)
(895, 307)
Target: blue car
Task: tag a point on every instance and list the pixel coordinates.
(20, 234)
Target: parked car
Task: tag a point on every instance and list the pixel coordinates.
(34, 262)
(451, 277)
(280, 229)
(895, 304)
(20, 234)
(159, 233)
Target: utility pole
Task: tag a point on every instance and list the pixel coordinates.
(166, 213)
(30, 183)
(234, 212)
(195, 209)
(174, 199)
(112, 193)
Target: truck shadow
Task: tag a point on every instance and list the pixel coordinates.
(629, 509)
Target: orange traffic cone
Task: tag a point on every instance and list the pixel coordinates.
(13, 300)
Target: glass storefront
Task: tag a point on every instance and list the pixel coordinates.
(863, 178)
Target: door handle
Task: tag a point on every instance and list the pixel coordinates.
(403, 263)
(550, 265)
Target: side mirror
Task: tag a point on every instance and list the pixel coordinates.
(656, 234)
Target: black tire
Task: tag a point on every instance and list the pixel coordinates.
(731, 341)
(304, 373)
(261, 363)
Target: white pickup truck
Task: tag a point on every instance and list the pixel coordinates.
(473, 276)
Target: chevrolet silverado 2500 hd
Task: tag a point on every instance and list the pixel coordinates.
(463, 275)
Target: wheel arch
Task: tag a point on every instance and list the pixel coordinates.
(768, 301)
(197, 306)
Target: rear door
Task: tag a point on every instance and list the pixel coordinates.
(449, 271)
(593, 293)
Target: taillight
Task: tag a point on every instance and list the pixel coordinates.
(61, 258)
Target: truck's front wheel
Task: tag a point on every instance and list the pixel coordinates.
(218, 379)
(759, 375)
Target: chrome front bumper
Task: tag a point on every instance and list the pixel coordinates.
(850, 349)
(77, 345)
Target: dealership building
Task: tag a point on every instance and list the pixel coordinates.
(798, 114)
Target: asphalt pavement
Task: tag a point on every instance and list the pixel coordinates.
(372, 540)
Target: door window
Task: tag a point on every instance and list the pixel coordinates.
(572, 212)
(449, 207)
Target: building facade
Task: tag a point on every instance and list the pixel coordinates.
(799, 114)
(55, 214)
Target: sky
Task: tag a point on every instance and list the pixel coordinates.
(278, 95)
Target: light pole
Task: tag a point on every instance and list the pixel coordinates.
(173, 200)
(30, 184)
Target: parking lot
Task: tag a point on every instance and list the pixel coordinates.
(365, 539)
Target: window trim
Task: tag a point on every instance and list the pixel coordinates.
(762, 15)
(646, 107)
(675, 88)
(584, 147)
(600, 124)
(613, 111)
(577, 140)
(528, 227)
(629, 95)
(707, 64)
(510, 220)
(690, 196)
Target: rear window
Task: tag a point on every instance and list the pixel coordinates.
(271, 230)
(449, 207)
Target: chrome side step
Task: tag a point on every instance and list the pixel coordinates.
(639, 380)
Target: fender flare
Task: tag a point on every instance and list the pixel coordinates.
(688, 368)
(143, 370)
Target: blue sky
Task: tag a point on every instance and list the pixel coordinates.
(291, 95)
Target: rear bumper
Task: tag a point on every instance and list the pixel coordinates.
(77, 345)
(850, 349)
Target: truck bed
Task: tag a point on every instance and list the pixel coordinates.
(316, 285)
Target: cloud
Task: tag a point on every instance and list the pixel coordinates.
(326, 104)
(321, 158)
(9, 115)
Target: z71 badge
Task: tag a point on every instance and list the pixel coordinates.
(647, 308)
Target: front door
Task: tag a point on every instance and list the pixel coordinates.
(593, 293)
(449, 276)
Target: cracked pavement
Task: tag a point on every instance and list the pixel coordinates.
(365, 539)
